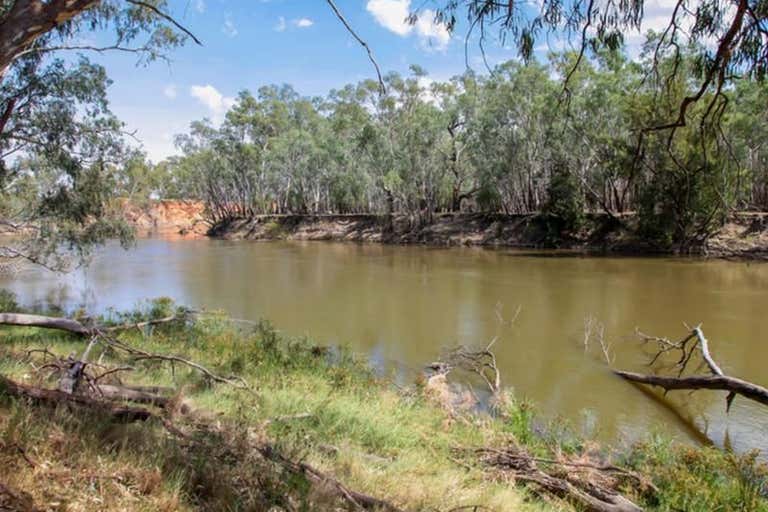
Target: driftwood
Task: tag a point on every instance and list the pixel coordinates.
(45, 322)
(73, 326)
(481, 363)
(55, 397)
(72, 379)
(695, 343)
(593, 493)
(357, 499)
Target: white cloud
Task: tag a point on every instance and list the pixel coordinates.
(280, 27)
(170, 91)
(200, 5)
(217, 103)
(303, 22)
(229, 27)
(434, 34)
(425, 84)
(393, 14)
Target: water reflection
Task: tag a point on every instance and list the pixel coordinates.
(403, 304)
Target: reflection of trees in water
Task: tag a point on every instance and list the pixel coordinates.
(403, 305)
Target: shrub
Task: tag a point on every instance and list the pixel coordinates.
(564, 210)
(8, 302)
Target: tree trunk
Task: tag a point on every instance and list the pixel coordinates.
(716, 382)
(47, 322)
(54, 398)
(28, 20)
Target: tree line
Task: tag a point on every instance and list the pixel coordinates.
(515, 140)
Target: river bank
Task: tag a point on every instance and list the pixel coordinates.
(411, 446)
(169, 218)
(745, 236)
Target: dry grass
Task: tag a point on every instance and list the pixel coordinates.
(322, 407)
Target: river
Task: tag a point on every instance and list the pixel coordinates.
(401, 306)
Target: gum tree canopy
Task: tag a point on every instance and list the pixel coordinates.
(59, 142)
(730, 36)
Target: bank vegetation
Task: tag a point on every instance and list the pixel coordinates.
(245, 418)
(511, 141)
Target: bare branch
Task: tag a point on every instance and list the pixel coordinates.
(685, 350)
(166, 17)
(349, 28)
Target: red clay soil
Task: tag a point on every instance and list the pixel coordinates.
(167, 218)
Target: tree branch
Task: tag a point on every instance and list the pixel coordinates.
(349, 28)
(166, 17)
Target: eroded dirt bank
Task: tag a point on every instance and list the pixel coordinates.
(167, 218)
(745, 236)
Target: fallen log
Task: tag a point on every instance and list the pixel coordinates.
(73, 326)
(715, 382)
(126, 394)
(597, 500)
(45, 322)
(71, 380)
(589, 494)
(357, 499)
(694, 343)
(54, 398)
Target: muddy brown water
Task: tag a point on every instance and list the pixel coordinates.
(401, 306)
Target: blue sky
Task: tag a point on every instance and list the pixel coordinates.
(250, 43)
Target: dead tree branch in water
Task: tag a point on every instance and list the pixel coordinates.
(481, 363)
(593, 329)
(694, 347)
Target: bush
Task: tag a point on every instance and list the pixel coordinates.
(564, 210)
(8, 301)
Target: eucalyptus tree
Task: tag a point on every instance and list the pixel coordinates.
(348, 120)
(746, 134)
(598, 120)
(685, 190)
(458, 101)
(730, 39)
(417, 129)
(60, 148)
(59, 143)
(511, 146)
(378, 144)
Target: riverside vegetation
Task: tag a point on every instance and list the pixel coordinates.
(674, 137)
(315, 406)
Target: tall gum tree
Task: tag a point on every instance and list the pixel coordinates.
(59, 143)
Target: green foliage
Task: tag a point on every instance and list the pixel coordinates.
(564, 210)
(8, 301)
(503, 142)
(701, 479)
(324, 407)
(61, 146)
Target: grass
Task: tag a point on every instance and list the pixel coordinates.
(317, 405)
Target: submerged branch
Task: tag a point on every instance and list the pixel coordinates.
(694, 343)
